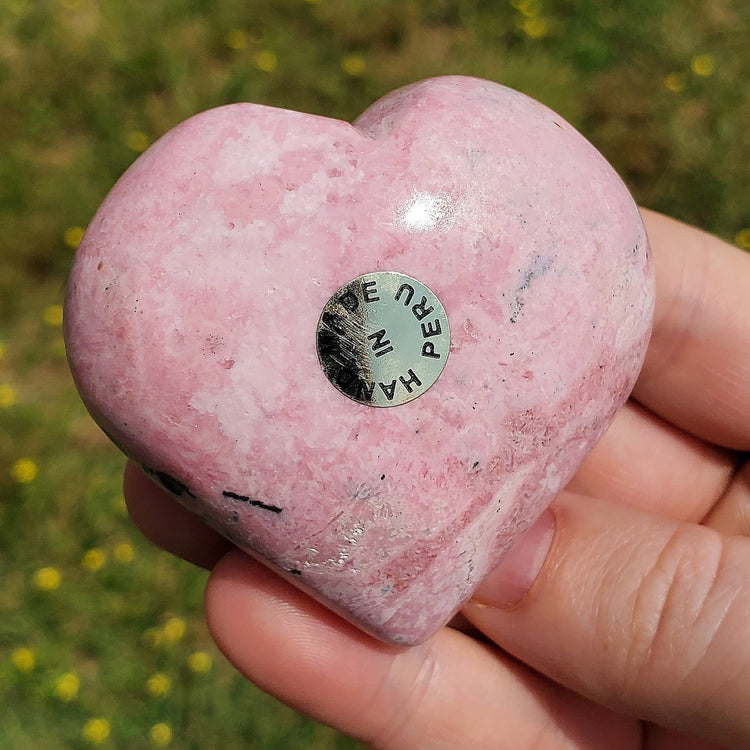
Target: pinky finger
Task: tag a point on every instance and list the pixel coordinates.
(167, 524)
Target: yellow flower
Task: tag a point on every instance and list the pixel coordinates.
(124, 553)
(526, 8)
(742, 238)
(354, 65)
(23, 659)
(703, 65)
(96, 731)
(675, 82)
(7, 396)
(199, 662)
(137, 140)
(535, 27)
(173, 630)
(158, 685)
(266, 61)
(73, 237)
(94, 559)
(236, 39)
(66, 686)
(53, 315)
(24, 470)
(160, 734)
(47, 579)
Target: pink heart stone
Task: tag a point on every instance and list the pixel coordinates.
(197, 335)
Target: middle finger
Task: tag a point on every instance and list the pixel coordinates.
(648, 463)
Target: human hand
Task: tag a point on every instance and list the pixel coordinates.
(619, 622)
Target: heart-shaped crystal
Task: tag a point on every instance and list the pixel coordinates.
(261, 281)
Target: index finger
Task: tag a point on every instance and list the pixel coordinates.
(697, 369)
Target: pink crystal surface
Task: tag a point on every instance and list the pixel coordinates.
(191, 327)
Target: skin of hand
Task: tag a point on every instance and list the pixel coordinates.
(620, 621)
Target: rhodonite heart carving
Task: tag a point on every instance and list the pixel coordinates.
(192, 326)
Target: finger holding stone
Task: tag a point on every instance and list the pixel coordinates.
(697, 372)
(644, 461)
(643, 614)
(165, 522)
(451, 691)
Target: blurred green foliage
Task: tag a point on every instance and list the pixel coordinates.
(99, 631)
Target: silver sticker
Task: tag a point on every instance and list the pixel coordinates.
(383, 339)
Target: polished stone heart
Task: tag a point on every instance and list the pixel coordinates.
(231, 305)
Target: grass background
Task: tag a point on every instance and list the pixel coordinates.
(102, 641)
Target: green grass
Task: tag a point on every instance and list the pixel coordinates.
(661, 87)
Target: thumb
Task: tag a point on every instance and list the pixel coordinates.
(642, 614)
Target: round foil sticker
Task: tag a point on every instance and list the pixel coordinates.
(383, 339)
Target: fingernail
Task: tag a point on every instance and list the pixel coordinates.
(509, 582)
